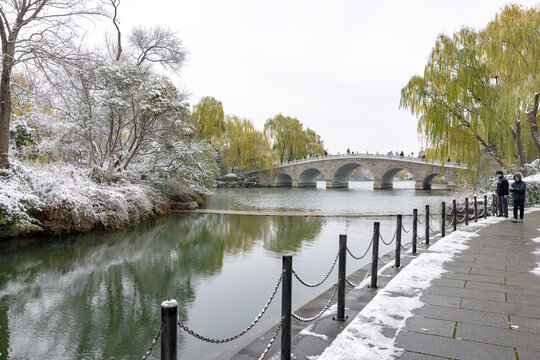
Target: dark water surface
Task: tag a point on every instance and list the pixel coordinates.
(98, 296)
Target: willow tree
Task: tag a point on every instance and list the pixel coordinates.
(512, 43)
(290, 140)
(243, 147)
(209, 118)
(475, 89)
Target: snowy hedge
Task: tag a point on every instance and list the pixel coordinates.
(64, 198)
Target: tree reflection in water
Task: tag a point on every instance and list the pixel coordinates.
(96, 295)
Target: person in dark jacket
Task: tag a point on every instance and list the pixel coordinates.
(502, 194)
(519, 188)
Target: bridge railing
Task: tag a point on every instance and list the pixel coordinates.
(365, 155)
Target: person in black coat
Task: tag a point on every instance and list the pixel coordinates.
(502, 194)
(519, 188)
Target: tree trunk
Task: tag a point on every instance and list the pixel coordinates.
(5, 113)
(531, 116)
(516, 132)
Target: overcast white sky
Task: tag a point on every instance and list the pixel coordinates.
(338, 66)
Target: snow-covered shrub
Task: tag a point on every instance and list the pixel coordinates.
(72, 201)
(17, 200)
(182, 170)
(64, 198)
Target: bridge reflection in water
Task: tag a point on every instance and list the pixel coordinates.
(336, 170)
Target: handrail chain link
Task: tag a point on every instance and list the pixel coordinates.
(322, 281)
(391, 241)
(154, 342)
(240, 334)
(270, 343)
(313, 318)
(365, 253)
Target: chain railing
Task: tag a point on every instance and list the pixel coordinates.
(391, 241)
(267, 348)
(363, 255)
(168, 336)
(313, 318)
(240, 334)
(153, 343)
(305, 283)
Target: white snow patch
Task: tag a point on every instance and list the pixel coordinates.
(391, 307)
(169, 303)
(532, 178)
(307, 332)
(514, 326)
(312, 357)
(536, 270)
(367, 279)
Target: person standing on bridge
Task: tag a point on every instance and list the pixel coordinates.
(502, 194)
(519, 188)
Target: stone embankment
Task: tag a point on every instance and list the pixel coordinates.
(236, 181)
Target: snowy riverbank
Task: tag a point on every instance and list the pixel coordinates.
(60, 199)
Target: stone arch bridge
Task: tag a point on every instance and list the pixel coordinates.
(336, 170)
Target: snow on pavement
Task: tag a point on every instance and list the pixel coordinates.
(364, 337)
(536, 270)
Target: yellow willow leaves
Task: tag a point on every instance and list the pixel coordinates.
(243, 147)
(474, 88)
(289, 139)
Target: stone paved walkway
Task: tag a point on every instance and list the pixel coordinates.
(487, 304)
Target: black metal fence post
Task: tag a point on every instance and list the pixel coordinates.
(485, 207)
(427, 224)
(475, 208)
(414, 230)
(454, 213)
(466, 211)
(169, 336)
(342, 273)
(375, 256)
(286, 308)
(443, 219)
(399, 224)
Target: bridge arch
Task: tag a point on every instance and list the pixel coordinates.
(428, 180)
(385, 180)
(342, 174)
(283, 180)
(308, 177)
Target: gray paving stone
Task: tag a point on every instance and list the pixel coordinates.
(501, 307)
(528, 355)
(468, 293)
(442, 300)
(526, 324)
(522, 299)
(463, 315)
(449, 282)
(408, 355)
(430, 326)
(478, 285)
(474, 277)
(452, 348)
(498, 336)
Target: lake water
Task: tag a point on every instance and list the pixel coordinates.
(98, 296)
